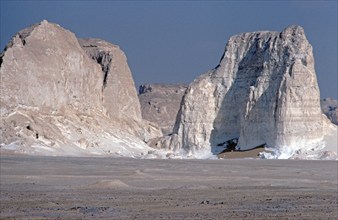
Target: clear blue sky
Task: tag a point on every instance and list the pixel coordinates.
(175, 41)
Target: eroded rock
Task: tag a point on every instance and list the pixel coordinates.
(263, 92)
(56, 99)
(118, 85)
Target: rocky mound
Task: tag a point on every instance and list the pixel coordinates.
(263, 92)
(59, 98)
(160, 104)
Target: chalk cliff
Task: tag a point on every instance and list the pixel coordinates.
(119, 94)
(264, 91)
(58, 98)
(66, 96)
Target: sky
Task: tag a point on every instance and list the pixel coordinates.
(176, 41)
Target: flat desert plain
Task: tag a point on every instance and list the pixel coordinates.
(121, 188)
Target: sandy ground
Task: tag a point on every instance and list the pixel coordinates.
(254, 153)
(110, 188)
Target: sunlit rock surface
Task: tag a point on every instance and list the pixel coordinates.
(118, 85)
(66, 96)
(263, 92)
(56, 99)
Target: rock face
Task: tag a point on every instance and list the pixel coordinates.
(330, 109)
(160, 104)
(117, 79)
(263, 92)
(45, 66)
(57, 99)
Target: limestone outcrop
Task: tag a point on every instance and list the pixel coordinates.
(58, 98)
(264, 91)
(66, 96)
(44, 66)
(160, 104)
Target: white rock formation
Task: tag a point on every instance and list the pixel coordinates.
(62, 97)
(264, 91)
(57, 100)
(45, 66)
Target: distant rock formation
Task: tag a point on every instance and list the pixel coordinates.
(160, 104)
(330, 109)
(263, 92)
(56, 99)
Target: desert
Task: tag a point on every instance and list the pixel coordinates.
(168, 110)
(123, 188)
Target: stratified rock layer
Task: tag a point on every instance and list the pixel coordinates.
(264, 91)
(58, 100)
(160, 104)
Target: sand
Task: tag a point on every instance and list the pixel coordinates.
(250, 154)
(122, 188)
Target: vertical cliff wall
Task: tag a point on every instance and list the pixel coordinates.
(263, 92)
